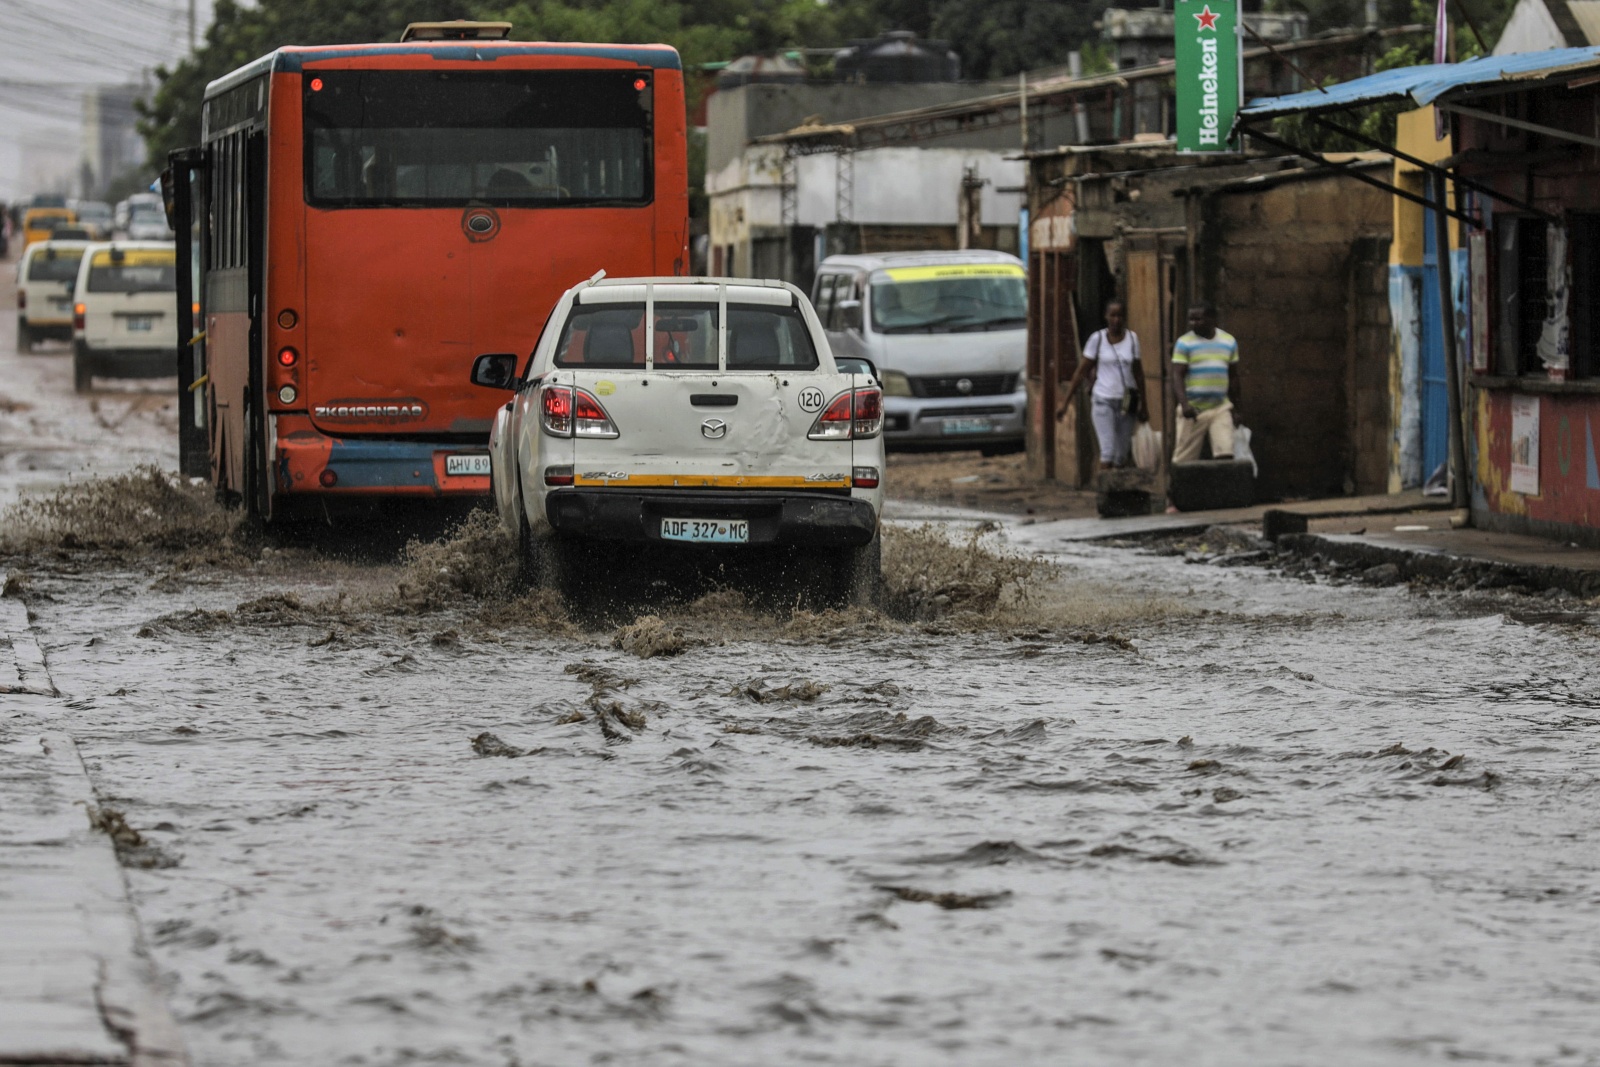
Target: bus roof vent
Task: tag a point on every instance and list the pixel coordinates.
(459, 30)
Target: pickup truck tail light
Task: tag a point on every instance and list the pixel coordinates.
(856, 413)
(569, 412)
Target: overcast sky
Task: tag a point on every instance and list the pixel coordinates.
(52, 50)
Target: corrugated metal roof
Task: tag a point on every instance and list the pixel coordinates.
(1427, 83)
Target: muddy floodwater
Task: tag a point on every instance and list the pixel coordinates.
(1158, 812)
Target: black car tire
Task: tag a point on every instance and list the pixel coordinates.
(82, 369)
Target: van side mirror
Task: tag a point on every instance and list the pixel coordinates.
(497, 370)
(850, 314)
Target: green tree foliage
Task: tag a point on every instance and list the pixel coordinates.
(239, 34)
(998, 38)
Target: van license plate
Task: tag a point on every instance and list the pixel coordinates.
(706, 531)
(967, 426)
(473, 463)
(140, 323)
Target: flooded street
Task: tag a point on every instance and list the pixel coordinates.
(1150, 812)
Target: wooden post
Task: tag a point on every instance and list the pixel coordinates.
(1447, 322)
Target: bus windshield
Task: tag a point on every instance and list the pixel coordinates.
(507, 138)
(953, 299)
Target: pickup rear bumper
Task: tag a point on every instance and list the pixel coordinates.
(775, 517)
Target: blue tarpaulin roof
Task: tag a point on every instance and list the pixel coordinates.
(1425, 84)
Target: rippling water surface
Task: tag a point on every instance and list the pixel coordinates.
(1267, 822)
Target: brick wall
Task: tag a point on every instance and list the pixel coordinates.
(1298, 271)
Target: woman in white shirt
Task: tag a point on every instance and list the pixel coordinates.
(1111, 361)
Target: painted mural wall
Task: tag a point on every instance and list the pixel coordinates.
(1541, 443)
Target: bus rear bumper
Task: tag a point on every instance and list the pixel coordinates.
(313, 463)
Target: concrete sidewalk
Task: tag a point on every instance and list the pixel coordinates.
(1413, 532)
(1137, 526)
(76, 985)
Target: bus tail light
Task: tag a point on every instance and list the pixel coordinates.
(79, 311)
(855, 413)
(288, 357)
(328, 479)
(558, 476)
(865, 478)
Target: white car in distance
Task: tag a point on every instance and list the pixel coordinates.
(696, 415)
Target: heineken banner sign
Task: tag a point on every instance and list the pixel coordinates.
(1207, 66)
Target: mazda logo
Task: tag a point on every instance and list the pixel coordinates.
(964, 386)
(713, 429)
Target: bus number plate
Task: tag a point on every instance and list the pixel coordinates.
(706, 531)
(475, 463)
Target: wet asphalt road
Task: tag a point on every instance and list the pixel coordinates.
(1163, 814)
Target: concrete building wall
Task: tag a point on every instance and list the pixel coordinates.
(910, 185)
(1300, 278)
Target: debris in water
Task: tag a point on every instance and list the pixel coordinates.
(948, 901)
(649, 637)
(133, 849)
(804, 691)
(927, 576)
(143, 508)
(476, 561)
(487, 744)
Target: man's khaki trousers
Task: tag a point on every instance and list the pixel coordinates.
(1216, 423)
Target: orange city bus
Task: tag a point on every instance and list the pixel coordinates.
(373, 217)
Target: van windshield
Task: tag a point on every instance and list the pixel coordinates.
(953, 299)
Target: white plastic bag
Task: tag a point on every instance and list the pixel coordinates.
(1241, 448)
(1146, 447)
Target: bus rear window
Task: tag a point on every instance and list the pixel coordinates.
(133, 278)
(53, 266)
(507, 138)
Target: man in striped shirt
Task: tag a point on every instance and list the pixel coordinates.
(1204, 387)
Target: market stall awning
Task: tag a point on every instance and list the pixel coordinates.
(1427, 83)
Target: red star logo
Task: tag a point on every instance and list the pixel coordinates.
(1207, 19)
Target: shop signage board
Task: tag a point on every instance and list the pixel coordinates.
(1209, 74)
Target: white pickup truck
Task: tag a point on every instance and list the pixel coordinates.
(701, 415)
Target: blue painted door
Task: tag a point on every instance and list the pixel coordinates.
(1435, 385)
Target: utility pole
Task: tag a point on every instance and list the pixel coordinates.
(191, 27)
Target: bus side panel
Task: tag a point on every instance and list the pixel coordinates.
(672, 176)
(284, 301)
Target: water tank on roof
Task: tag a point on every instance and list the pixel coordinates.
(897, 56)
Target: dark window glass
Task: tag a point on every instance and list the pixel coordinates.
(53, 266)
(761, 336)
(507, 138)
(602, 335)
(134, 278)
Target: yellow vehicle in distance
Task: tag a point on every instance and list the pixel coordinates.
(41, 223)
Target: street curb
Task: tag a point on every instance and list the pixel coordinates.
(28, 673)
(1442, 565)
(77, 985)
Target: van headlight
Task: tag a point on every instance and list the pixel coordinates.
(896, 384)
